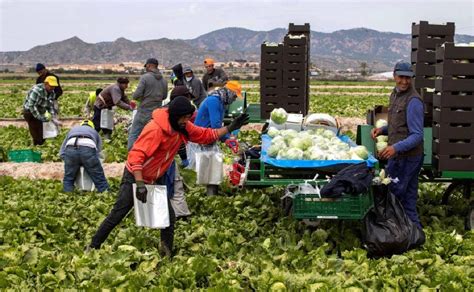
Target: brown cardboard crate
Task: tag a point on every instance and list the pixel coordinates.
(423, 56)
(429, 42)
(425, 28)
(453, 162)
(453, 68)
(454, 85)
(423, 69)
(453, 130)
(423, 82)
(452, 52)
(448, 100)
(453, 146)
(452, 115)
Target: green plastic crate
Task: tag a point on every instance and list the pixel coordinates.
(24, 155)
(310, 206)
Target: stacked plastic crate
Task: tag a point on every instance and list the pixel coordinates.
(453, 113)
(425, 38)
(284, 73)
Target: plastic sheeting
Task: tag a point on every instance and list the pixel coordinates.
(267, 140)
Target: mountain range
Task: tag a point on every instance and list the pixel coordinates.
(340, 49)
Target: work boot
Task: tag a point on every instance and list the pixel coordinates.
(165, 251)
(212, 190)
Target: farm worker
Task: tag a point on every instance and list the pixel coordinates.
(211, 115)
(405, 139)
(212, 75)
(151, 156)
(194, 85)
(151, 91)
(112, 95)
(82, 147)
(89, 107)
(43, 73)
(38, 108)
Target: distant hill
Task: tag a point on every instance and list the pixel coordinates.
(341, 49)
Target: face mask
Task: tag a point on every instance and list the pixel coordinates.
(189, 78)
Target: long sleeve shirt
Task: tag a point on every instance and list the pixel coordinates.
(82, 131)
(415, 127)
(38, 101)
(211, 114)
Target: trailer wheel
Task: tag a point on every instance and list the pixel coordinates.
(464, 186)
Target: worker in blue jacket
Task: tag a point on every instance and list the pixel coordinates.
(211, 115)
(405, 139)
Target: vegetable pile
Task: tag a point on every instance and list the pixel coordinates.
(314, 144)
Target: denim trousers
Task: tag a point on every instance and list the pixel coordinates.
(406, 169)
(74, 158)
(139, 122)
(123, 205)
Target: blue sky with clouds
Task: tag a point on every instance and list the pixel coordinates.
(25, 24)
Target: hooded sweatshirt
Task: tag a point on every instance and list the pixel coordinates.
(151, 90)
(155, 148)
(197, 89)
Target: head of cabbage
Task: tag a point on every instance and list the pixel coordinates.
(273, 132)
(279, 116)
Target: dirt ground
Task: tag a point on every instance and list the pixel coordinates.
(49, 170)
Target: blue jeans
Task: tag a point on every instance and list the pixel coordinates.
(407, 170)
(141, 119)
(74, 158)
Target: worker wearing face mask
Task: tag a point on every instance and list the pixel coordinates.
(194, 85)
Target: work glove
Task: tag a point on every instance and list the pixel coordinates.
(184, 163)
(47, 116)
(242, 119)
(141, 191)
(133, 104)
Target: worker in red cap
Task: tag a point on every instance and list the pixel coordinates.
(213, 75)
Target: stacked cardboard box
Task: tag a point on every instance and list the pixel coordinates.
(284, 73)
(425, 38)
(453, 109)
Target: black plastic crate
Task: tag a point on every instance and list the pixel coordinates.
(422, 82)
(429, 42)
(452, 52)
(448, 100)
(453, 130)
(453, 162)
(423, 56)
(454, 68)
(299, 28)
(453, 146)
(423, 69)
(425, 28)
(448, 84)
(453, 115)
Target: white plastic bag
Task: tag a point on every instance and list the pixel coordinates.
(50, 130)
(209, 166)
(83, 181)
(107, 119)
(154, 213)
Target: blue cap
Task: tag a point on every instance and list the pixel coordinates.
(39, 67)
(403, 68)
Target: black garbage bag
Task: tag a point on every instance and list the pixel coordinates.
(387, 229)
(354, 179)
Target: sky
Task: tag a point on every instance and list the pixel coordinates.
(25, 24)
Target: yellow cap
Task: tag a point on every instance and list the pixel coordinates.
(235, 87)
(87, 123)
(51, 80)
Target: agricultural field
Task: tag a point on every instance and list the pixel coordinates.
(240, 240)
